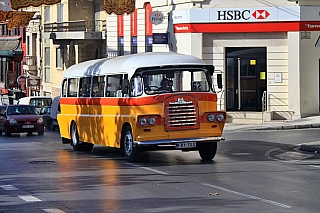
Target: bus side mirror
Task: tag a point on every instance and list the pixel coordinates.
(125, 86)
(219, 81)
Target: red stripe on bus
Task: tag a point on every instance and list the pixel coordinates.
(132, 101)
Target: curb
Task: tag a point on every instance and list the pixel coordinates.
(308, 148)
(287, 127)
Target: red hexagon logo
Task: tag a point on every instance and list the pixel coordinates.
(260, 14)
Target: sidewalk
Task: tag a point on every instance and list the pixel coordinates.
(308, 122)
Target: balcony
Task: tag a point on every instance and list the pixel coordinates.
(30, 64)
(75, 30)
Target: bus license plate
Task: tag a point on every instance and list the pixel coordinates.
(185, 145)
(27, 126)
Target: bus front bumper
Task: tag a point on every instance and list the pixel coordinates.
(174, 141)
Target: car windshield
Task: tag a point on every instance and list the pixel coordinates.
(21, 110)
(174, 81)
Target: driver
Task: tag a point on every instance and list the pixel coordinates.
(165, 84)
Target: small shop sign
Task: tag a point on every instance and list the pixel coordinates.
(160, 38)
(32, 82)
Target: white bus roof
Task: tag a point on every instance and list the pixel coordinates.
(129, 63)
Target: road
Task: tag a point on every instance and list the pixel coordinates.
(253, 171)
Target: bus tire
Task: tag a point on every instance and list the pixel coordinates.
(76, 144)
(131, 153)
(87, 147)
(207, 151)
(66, 141)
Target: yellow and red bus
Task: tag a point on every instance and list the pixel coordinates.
(145, 101)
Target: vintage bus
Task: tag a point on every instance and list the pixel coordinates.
(145, 101)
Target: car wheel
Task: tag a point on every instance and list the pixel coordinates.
(7, 132)
(132, 153)
(41, 132)
(207, 151)
(76, 144)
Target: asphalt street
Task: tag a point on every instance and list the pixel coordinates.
(308, 122)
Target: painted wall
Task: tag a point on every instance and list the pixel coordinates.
(309, 74)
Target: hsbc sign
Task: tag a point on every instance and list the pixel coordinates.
(236, 15)
(252, 14)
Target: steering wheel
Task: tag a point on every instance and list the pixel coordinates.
(153, 87)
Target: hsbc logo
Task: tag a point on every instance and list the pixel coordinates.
(241, 15)
(260, 14)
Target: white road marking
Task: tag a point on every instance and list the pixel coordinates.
(154, 170)
(248, 196)
(53, 211)
(241, 154)
(147, 168)
(8, 187)
(29, 198)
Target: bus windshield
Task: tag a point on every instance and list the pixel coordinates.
(175, 81)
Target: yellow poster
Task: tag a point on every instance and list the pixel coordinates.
(253, 62)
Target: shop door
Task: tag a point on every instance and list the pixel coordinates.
(246, 78)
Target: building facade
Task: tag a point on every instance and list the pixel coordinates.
(62, 35)
(267, 52)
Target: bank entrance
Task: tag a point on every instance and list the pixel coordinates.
(246, 78)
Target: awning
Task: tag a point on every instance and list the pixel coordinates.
(10, 46)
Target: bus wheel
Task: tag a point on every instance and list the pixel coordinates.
(87, 146)
(207, 151)
(76, 144)
(132, 153)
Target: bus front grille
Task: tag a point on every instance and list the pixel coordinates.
(181, 113)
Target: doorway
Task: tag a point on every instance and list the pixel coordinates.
(246, 78)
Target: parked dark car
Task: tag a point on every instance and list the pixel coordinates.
(45, 112)
(20, 118)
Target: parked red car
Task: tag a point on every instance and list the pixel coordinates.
(20, 118)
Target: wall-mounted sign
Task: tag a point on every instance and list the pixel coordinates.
(32, 82)
(11, 78)
(21, 80)
(160, 38)
(156, 17)
(278, 77)
(305, 35)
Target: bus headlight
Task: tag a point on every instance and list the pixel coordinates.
(219, 117)
(142, 121)
(210, 117)
(152, 121)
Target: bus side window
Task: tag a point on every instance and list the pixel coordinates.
(136, 86)
(72, 87)
(64, 88)
(98, 86)
(114, 85)
(85, 84)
